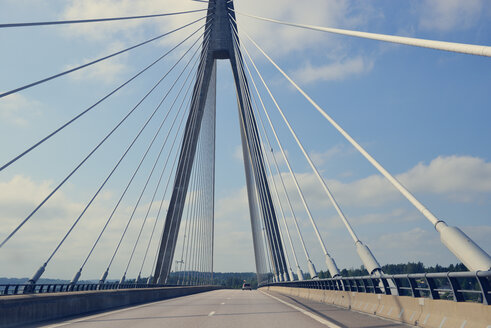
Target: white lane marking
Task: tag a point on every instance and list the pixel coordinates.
(95, 316)
(211, 313)
(307, 313)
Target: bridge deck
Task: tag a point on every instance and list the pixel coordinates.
(228, 308)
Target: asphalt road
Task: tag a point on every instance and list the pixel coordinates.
(229, 308)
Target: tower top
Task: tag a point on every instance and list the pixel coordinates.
(219, 23)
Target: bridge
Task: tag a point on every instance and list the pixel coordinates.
(155, 246)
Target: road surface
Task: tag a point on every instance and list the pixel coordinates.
(229, 309)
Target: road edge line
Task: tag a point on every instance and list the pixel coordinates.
(305, 312)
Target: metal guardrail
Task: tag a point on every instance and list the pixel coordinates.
(18, 289)
(457, 286)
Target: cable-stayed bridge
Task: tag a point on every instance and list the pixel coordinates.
(176, 233)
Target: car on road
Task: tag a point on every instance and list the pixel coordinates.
(246, 286)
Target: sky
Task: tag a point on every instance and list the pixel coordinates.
(423, 114)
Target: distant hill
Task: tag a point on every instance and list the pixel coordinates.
(236, 279)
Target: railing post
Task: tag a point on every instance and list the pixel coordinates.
(352, 285)
(385, 283)
(357, 285)
(376, 285)
(413, 285)
(431, 286)
(365, 285)
(485, 288)
(455, 285)
(347, 284)
(343, 283)
(397, 285)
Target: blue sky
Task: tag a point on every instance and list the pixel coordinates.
(423, 114)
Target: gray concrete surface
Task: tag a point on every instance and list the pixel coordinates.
(20, 310)
(339, 316)
(227, 308)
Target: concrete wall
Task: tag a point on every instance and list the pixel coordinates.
(422, 312)
(18, 310)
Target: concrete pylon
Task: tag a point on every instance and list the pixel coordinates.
(221, 47)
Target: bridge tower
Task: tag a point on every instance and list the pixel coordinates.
(220, 46)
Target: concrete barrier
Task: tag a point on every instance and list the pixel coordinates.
(422, 312)
(18, 310)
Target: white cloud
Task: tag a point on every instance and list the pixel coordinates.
(238, 154)
(397, 215)
(236, 202)
(118, 35)
(339, 70)
(451, 174)
(37, 238)
(454, 177)
(413, 245)
(129, 29)
(368, 201)
(371, 191)
(280, 160)
(442, 176)
(446, 15)
(320, 158)
(107, 71)
(480, 234)
(282, 39)
(19, 110)
(233, 244)
(277, 39)
(423, 245)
